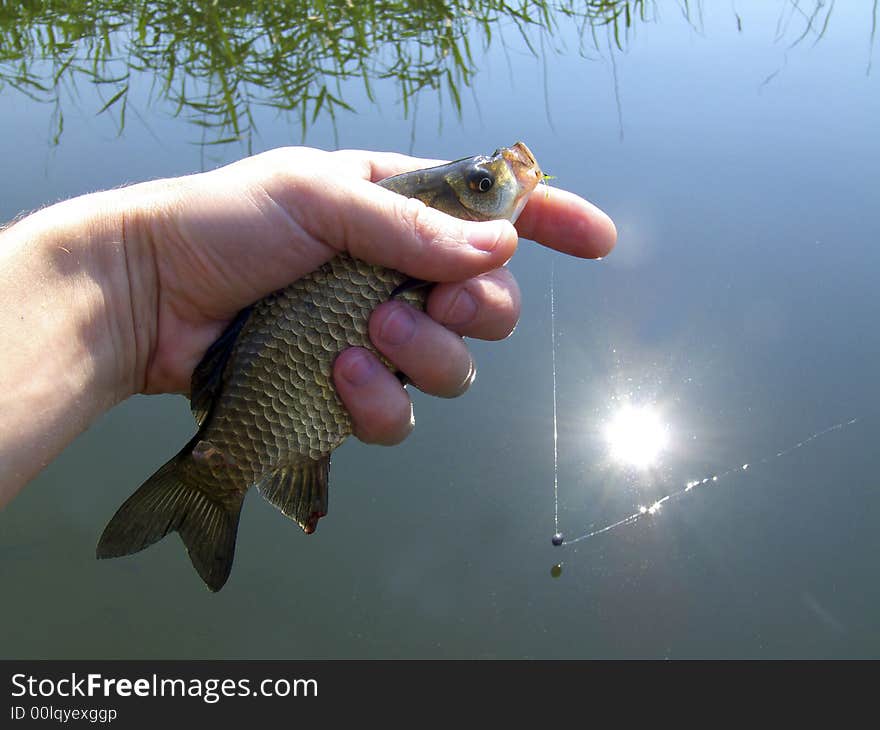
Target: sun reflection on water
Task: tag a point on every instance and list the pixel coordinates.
(636, 436)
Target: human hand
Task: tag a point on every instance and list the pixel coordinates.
(124, 290)
(208, 245)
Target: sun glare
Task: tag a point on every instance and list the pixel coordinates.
(636, 436)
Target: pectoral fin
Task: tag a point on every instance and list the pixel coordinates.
(299, 490)
(208, 375)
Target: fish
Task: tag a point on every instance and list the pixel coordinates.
(263, 397)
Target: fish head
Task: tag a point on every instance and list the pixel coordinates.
(498, 185)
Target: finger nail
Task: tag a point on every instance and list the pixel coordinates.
(358, 368)
(399, 326)
(485, 236)
(468, 381)
(462, 310)
(472, 375)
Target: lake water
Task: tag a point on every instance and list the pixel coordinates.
(737, 150)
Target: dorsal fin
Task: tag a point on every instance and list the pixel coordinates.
(208, 375)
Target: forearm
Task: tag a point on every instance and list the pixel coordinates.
(63, 287)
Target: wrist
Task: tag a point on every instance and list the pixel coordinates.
(70, 347)
(79, 245)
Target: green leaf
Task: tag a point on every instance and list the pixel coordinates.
(113, 99)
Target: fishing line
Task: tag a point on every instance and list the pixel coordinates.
(642, 511)
(557, 536)
(690, 486)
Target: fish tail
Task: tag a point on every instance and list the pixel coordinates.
(166, 503)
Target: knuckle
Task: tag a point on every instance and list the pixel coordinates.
(414, 214)
(424, 228)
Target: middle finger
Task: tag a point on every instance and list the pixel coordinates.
(486, 306)
(435, 359)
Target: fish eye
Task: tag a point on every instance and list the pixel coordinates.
(480, 181)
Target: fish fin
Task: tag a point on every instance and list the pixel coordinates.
(408, 285)
(299, 490)
(208, 375)
(166, 503)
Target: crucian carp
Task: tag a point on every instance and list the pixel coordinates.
(263, 398)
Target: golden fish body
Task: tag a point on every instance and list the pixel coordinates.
(263, 395)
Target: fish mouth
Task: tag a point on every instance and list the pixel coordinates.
(523, 165)
(525, 169)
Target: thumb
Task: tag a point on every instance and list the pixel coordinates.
(238, 233)
(348, 213)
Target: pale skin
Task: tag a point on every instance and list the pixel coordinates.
(121, 292)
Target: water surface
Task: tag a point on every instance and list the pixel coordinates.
(735, 146)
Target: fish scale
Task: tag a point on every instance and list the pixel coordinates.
(293, 409)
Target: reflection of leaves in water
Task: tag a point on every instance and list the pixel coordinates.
(873, 36)
(803, 23)
(216, 62)
(815, 22)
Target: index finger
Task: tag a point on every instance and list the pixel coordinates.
(562, 220)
